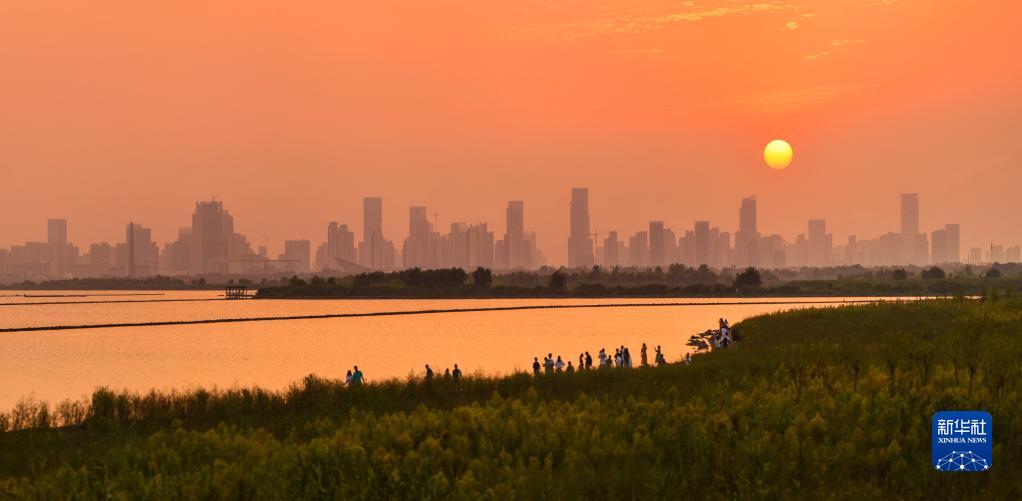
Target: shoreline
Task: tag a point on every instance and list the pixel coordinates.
(422, 312)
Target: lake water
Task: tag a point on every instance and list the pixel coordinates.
(55, 365)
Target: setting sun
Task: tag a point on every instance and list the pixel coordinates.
(777, 154)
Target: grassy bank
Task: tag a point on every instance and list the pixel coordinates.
(811, 403)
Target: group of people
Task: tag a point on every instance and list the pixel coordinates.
(722, 338)
(355, 378)
(448, 373)
(622, 358)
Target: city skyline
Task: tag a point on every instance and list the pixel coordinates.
(212, 246)
(661, 109)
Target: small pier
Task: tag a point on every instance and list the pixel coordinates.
(237, 292)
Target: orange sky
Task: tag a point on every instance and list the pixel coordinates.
(291, 112)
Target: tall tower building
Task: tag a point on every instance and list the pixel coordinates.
(820, 244)
(373, 248)
(702, 244)
(747, 236)
(514, 239)
(418, 245)
(909, 248)
(657, 244)
(610, 250)
(56, 240)
(580, 241)
(212, 229)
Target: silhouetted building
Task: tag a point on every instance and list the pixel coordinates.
(374, 252)
(56, 238)
(747, 236)
(610, 250)
(212, 228)
(821, 243)
(297, 255)
(338, 249)
(702, 243)
(580, 241)
(638, 249)
(138, 256)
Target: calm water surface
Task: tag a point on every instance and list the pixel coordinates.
(54, 365)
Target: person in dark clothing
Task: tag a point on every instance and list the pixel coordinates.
(535, 366)
(589, 361)
(429, 373)
(456, 373)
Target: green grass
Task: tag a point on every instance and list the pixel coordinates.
(812, 403)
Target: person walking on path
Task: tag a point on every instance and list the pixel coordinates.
(357, 378)
(535, 366)
(589, 361)
(548, 363)
(559, 366)
(456, 373)
(642, 354)
(347, 379)
(429, 374)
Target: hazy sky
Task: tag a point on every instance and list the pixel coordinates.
(291, 112)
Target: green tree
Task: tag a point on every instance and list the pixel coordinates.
(993, 273)
(482, 277)
(933, 272)
(750, 278)
(558, 281)
(900, 274)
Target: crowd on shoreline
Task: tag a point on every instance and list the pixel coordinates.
(721, 338)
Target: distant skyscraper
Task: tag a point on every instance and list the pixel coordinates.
(374, 251)
(657, 244)
(338, 252)
(610, 250)
(910, 241)
(297, 255)
(514, 239)
(138, 255)
(747, 236)
(638, 249)
(56, 239)
(418, 245)
(954, 245)
(580, 242)
(820, 243)
(212, 229)
(702, 243)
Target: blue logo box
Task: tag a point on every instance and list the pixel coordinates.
(962, 441)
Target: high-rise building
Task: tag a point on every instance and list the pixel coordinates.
(338, 251)
(212, 229)
(953, 249)
(374, 252)
(580, 241)
(514, 238)
(747, 236)
(975, 255)
(702, 243)
(657, 244)
(417, 251)
(138, 255)
(821, 244)
(638, 249)
(56, 239)
(297, 255)
(610, 250)
(910, 251)
(1013, 254)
